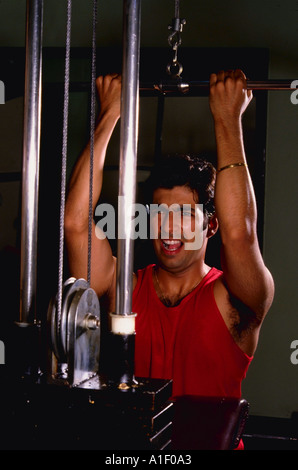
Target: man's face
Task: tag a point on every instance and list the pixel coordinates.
(179, 238)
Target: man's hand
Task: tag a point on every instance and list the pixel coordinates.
(229, 97)
(109, 94)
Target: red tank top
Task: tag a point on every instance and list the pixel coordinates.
(189, 343)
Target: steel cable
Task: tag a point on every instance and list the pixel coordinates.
(92, 129)
(64, 162)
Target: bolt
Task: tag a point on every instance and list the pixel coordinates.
(91, 322)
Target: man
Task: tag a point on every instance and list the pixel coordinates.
(195, 324)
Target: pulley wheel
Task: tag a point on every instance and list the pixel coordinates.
(68, 294)
(58, 327)
(83, 336)
(52, 321)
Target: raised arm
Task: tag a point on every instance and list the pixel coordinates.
(246, 277)
(77, 203)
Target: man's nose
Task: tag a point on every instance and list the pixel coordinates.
(171, 225)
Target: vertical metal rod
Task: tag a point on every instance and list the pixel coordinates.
(159, 126)
(31, 150)
(128, 153)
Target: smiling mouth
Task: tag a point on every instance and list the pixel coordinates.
(171, 246)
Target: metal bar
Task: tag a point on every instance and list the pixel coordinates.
(128, 153)
(31, 151)
(192, 87)
(159, 126)
(269, 85)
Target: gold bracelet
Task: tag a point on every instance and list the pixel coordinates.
(232, 165)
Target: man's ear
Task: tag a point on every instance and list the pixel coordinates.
(212, 226)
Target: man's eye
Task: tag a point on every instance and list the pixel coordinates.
(186, 214)
(159, 211)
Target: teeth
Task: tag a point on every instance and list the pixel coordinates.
(171, 242)
(171, 245)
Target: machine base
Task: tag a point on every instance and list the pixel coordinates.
(49, 417)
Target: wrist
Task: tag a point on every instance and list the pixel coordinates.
(227, 123)
(228, 130)
(111, 114)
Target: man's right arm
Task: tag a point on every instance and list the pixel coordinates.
(77, 203)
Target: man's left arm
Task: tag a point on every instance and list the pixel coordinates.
(246, 277)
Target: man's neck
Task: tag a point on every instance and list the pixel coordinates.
(172, 287)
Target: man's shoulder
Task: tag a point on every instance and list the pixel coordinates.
(142, 274)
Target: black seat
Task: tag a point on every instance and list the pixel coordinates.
(208, 423)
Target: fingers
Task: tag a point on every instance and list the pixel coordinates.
(213, 79)
(224, 76)
(114, 75)
(239, 75)
(229, 96)
(230, 79)
(109, 94)
(109, 76)
(103, 82)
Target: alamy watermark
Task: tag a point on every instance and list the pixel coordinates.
(294, 95)
(2, 353)
(294, 354)
(2, 92)
(174, 222)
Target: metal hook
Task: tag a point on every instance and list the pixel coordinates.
(177, 28)
(174, 39)
(175, 69)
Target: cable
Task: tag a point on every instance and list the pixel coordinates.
(64, 162)
(92, 128)
(174, 69)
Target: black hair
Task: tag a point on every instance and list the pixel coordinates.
(185, 170)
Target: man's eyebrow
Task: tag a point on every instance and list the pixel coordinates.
(188, 207)
(177, 207)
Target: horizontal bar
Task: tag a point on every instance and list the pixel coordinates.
(270, 85)
(179, 86)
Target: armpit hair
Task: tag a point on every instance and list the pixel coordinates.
(244, 320)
